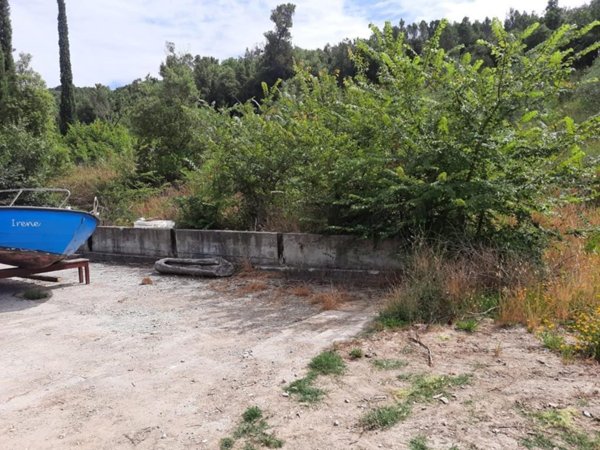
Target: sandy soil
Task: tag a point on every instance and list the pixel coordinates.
(173, 365)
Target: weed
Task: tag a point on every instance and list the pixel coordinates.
(467, 325)
(305, 391)
(418, 443)
(35, 294)
(390, 318)
(552, 340)
(389, 364)
(538, 440)
(385, 416)
(249, 446)
(424, 388)
(555, 429)
(226, 443)
(356, 353)
(587, 329)
(252, 414)
(327, 363)
(498, 350)
(253, 429)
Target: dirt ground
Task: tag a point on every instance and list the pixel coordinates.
(173, 365)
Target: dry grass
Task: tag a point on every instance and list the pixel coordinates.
(247, 270)
(252, 287)
(162, 206)
(571, 283)
(438, 286)
(331, 299)
(300, 291)
(85, 182)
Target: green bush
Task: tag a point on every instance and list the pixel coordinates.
(27, 160)
(99, 142)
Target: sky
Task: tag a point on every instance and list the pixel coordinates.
(114, 42)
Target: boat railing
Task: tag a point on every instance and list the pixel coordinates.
(18, 192)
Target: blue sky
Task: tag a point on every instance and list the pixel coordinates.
(116, 41)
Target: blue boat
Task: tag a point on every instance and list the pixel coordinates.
(38, 236)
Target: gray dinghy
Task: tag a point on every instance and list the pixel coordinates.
(202, 267)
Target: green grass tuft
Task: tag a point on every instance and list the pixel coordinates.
(418, 443)
(253, 430)
(226, 443)
(424, 388)
(467, 325)
(385, 416)
(552, 340)
(252, 414)
(356, 353)
(389, 364)
(327, 363)
(305, 391)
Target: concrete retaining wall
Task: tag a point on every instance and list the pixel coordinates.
(258, 248)
(132, 241)
(292, 250)
(339, 252)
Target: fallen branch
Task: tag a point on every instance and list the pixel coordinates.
(417, 340)
(484, 313)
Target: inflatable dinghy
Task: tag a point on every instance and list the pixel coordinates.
(203, 267)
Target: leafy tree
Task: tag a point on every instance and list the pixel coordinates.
(24, 158)
(127, 98)
(339, 60)
(29, 151)
(553, 15)
(94, 103)
(168, 122)
(31, 106)
(216, 83)
(277, 61)
(466, 34)
(67, 96)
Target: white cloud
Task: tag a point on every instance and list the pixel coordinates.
(120, 40)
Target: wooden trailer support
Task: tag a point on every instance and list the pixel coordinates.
(82, 265)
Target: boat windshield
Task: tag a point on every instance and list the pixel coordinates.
(40, 197)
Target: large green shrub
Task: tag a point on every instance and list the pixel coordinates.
(27, 160)
(469, 149)
(99, 142)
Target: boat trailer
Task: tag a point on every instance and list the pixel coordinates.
(81, 264)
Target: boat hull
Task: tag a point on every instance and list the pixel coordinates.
(33, 237)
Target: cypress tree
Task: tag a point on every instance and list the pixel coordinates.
(6, 39)
(67, 97)
(3, 88)
(7, 64)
